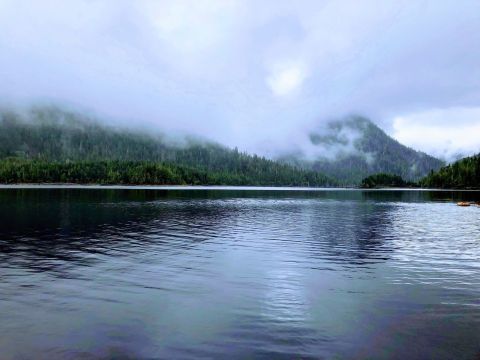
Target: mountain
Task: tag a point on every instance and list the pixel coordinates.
(462, 174)
(48, 144)
(354, 148)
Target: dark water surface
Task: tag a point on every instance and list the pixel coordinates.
(147, 274)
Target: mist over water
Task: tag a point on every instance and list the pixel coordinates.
(136, 273)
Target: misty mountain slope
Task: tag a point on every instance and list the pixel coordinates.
(354, 148)
(51, 135)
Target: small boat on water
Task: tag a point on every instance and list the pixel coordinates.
(463, 203)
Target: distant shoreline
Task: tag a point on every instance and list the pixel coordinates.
(165, 187)
(94, 186)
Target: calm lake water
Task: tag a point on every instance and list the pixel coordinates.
(146, 274)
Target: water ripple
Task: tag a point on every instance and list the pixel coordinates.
(211, 274)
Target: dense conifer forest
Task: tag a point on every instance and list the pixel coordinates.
(52, 145)
(462, 174)
(385, 180)
(149, 173)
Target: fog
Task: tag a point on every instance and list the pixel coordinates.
(257, 75)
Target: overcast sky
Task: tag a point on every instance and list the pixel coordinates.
(256, 74)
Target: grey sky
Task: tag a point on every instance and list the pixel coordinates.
(256, 74)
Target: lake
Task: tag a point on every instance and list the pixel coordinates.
(191, 273)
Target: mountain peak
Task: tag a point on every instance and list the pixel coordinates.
(354, 147)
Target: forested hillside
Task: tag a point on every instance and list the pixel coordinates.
(52, 145)
(357, 148)
(463, 174)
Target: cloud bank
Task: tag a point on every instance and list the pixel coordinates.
(447, 133)
(253, 74)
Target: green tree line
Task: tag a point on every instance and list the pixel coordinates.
(462, 174)
(146, 173)
(385, 180)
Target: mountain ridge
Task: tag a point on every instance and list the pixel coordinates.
(44, 143)
(348, 149)
(354, 147)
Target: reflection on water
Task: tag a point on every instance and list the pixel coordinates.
(241, 274)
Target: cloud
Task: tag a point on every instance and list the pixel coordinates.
(191, 30)
(286, 78)
(258, 75)
(447, 133)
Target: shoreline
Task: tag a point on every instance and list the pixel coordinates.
(94, 186)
